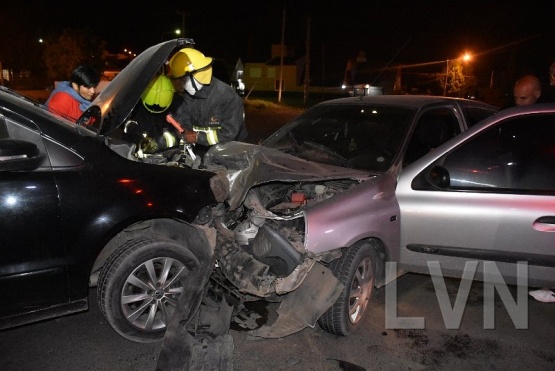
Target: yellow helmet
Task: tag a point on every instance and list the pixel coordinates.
(191, 61)
(158, 95)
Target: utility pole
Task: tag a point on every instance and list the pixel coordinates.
(397, 86)
(182, 13)
(307, 62)
(282, 51)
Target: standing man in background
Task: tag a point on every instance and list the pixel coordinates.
(527, 90)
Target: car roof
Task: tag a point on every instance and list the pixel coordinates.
(412, 101)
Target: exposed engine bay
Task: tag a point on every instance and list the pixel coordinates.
(261, 253)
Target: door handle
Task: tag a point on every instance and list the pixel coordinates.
(544, 224)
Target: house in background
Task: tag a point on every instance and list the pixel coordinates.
(265, 76)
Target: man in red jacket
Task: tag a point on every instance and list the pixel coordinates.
(71, 98)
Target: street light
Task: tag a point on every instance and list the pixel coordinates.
(177, 32)
(465, 58)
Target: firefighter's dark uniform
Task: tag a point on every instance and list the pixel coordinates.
(215, 112)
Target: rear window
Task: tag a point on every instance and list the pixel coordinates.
(474, 115)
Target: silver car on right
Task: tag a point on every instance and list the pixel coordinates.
(486, 195)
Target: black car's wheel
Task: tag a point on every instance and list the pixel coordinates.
(355, 269)
(139, 286)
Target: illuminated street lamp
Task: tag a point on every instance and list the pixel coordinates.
(176, 32)
(465, 58)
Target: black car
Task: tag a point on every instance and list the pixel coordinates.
(78, 211)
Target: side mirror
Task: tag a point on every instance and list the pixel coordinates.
(18, 155)
(439, 178)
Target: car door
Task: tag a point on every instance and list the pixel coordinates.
(496, 203)
(32, 265)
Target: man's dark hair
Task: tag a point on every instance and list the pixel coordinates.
(85, 76)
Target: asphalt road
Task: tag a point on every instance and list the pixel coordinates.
(85, 341)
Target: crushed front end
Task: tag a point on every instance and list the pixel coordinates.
(261, 252)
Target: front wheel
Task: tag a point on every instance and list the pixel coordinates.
(139, 286)
(355, 269)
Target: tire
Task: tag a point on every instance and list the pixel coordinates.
(139, 285)
(355, 269)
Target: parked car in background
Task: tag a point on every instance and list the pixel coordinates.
(234, 79)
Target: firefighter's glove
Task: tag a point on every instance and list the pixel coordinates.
(190, 136)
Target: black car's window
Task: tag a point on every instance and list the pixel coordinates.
(355, 136)
(474, 115)
(433, 128)
(10, 129)
(517, 156)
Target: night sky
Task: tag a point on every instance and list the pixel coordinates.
(391, 32)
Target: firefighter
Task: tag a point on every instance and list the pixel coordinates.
(147, 126)
(209, 110)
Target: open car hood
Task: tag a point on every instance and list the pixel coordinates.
(248, 165)
(114, 104)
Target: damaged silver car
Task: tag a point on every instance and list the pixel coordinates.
(312, 216)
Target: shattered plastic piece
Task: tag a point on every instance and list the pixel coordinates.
(302, 307)
(543, 295)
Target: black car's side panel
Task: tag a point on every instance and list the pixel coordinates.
(33, 290)
(31, 248)
(43, 313)
(56, 219)
(97, 201)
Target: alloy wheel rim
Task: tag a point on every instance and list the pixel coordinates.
(149, 294)
(361, 287)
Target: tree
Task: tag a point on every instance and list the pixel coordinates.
(455, 78)
(64, 52)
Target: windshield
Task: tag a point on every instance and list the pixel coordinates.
(365, 137)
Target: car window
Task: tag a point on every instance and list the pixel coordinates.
(11, 129)
(474, 115)
(365, 137)
(517, 156)
(433, 128)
